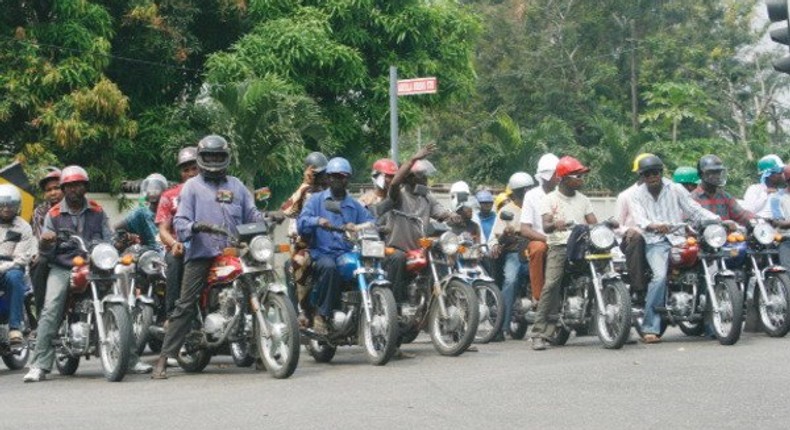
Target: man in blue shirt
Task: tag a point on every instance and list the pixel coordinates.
(141, 220)
(211, 198)
(486, 214)
(327, 245)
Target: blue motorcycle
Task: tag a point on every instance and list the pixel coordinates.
(14, 356)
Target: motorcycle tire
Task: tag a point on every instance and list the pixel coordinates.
(66, 365)
(142, 318)
(492, 311)
(241, 354)
(561, 336)
(380, 336)
(453, 335)
(689, 328)
(775, 309)
(15, 360)
(154, 345)
(321, 351)
(280, 352)
(408, 335)
(726, 323)
(116, 353)
(518, 329)
(614, 326)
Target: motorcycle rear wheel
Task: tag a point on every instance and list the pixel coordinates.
(518, 329)
(280, 351)
(775, 309)
(614, 326)
(116, 352)
(241, 354)
(492, 311)
(142, 318)
(321, 351)
(380, 336)
(728, 321)
(692, 328)
(452, 335)
(561, 336)
(193, 358)
(66, 365)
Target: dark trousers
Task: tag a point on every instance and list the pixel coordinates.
(395, 266)
(195, 279)
(175, 275)
(39, 272)
(634, 250)
(326, 290)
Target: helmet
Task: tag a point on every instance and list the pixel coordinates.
(520, 180)
(484, 196)
(153, 186)
(73, 174)
(423, 167)
(568, 165)
(459, 187)
(53, 173)
(338, 165)
(317, 160)
(650, 162)
(639, 158)
(385, 166)
(685, 175)
(546, 166)
(711, 170)
(10, 196)
(770, 162)
(459, 193)
(186, 155)
(213, 144)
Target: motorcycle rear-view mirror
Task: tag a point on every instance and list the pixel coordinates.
(506, 216)
(332, 206)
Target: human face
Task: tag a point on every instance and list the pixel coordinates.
(188, 170)
(574, 181)
(8, 212)
(485, 208)
(652, 178)
(338, 183)
(52, 192)
(74, 193)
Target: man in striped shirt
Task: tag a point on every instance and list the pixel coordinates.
(712, 196)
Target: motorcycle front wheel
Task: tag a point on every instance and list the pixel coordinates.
(728, 319)
(115, 352)
(775, 308)
(142, 318)
(492, 311)
(614, 324)
(279, 351)
(380, 335)
(453, 334)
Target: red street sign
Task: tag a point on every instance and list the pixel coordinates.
(409, 87)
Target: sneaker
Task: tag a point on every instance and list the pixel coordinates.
(35, 375)
(15, 336)
(538, 344)
(141, 368)
(319, 325)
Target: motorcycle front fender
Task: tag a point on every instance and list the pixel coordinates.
(145, 300)
(383, 283)
(774, 269)
(277, 288)
(725, 274)
(113, 298)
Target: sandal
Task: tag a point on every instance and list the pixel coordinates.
(651, 338)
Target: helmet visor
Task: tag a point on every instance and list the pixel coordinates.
(717, 177)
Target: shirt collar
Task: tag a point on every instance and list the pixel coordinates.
(327, 194)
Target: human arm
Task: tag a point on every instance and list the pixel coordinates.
(405, 169)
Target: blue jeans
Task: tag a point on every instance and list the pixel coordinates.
(515, 272)
(326, 286)
(13, 282)
(784, 254)
(657, 255)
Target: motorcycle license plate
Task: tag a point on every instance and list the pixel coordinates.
(373, 248)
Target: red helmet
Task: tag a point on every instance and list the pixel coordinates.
(385, 166)
(568, 165)
(72, 174)
(53, 173)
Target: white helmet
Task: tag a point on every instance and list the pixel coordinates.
(520, 180)
(153, 186)
(546, 166)
(9, 195)
(459, 187)
(459, 193)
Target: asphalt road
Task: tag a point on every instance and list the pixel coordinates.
(681, 383)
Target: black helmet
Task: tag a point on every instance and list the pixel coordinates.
(711, 170)
(651, 162)
(317, 160)
(186, 155)
(213, 144)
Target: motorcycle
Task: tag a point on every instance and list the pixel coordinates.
(96, 321)
(14, 355)
(522, 303)
(244, 307)
(700, 288)
(440, 300)
(751, 258)
(492, 305)
(368, 313)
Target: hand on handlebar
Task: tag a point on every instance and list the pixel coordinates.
(659, 228)
(48, 236)
(559, 224)
(325, 223)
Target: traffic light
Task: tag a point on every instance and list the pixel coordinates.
(778, 11)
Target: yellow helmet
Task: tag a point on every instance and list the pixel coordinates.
(638, 159)
(502, 198)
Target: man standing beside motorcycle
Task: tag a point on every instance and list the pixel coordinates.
(39, 268)
(559, 208)
(86, 219)
(17, 248)
(327, 245)
(657, 204)
(212, 198)
(509, 246)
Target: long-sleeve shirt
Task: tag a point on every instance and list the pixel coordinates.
(722, 204)
(226, 203)
(674, 205)
(38, 218)
(756, 200)
(622, 209)
(17, 244)
(324, 242)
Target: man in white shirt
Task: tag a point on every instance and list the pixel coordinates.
(633, 243)
(757, 196)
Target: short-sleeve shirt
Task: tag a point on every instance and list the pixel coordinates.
(405, 233)
(530, 211)
(168, 205)
(569, 208)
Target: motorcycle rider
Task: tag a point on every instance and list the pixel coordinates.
(16, 250)
(141, 220)
(508, 245)
(557, 208)
(532, 222)
(384, 170)
(325, 245)
(657, 203)
(757, 195)
(686, 176)
(211, 198)
(711, 195)
(460, 197)
(781, 211)
(86, 219)
(39, 268)
(186, 161)
(485, 215)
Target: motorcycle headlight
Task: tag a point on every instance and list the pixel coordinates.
(150, 262)
(104, 256)
(764, 233)
(715, 235)
(602, 237)
(449, 242)
(261, 249)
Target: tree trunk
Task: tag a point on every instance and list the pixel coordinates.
(634, 82)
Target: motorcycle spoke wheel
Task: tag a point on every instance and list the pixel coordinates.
(142, 318)
(728, 318)
(116, 347)
(452, 335)
(280, 350)
(775, 306)
(614, 325)
(492, 311)
(380, 335)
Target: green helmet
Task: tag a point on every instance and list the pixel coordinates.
(685, 175)
(770, 162)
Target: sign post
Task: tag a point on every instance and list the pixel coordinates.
(405, 87)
